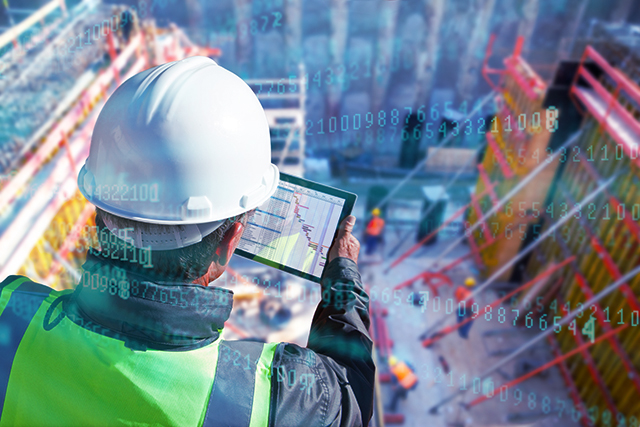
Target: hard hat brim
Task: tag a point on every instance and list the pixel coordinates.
(247, 202)
(159, 240)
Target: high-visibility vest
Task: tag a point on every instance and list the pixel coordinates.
(56, 372)
(461, 293)
(404, 374)
(375, 226)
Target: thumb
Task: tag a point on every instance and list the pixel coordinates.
(346, 227)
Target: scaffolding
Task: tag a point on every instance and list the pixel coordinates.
(46, 224)
(604, 238)
(517, 141)
(284, 102)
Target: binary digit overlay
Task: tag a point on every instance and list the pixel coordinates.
(174, 177)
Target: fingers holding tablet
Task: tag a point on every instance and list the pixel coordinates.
(294, 230)
(345, 245)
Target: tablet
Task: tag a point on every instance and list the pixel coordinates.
(293, 230)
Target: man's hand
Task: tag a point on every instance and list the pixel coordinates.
(345, 245)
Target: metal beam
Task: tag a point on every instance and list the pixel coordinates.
(510, 194)
(532, 246)
(550, 364)
(606, 291)
(14, 32)
(547, 273)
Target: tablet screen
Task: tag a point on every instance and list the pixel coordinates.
(294, 228)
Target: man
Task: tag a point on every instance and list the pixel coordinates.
(180, 155)
(373, 232)
(463, 293)
(404, 379)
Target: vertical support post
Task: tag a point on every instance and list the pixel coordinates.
(64, 141)
(517, 50)
(113, 55)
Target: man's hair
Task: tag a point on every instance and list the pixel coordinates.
(187, 263)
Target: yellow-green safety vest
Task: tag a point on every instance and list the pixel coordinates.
(54, 371)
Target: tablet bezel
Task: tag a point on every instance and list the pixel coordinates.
(347, 208)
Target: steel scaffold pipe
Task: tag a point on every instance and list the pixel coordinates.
(532, 246)
(606, 291)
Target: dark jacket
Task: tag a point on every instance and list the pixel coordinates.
(337, 356)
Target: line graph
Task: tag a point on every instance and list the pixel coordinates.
(295, 228)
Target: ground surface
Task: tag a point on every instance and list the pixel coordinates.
(539, 401)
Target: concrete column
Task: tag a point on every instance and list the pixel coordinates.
(293, 32)
(471, 64)
(384, 51)
(568, 42)
(427, 60)
(337, 44)
(527, 25)
(242, 10)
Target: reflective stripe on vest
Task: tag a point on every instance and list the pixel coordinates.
(15, 316)
(65, 373)
(242, 389)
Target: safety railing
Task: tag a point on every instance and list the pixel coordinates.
(604, 105)
(12, 34)
(32, 245)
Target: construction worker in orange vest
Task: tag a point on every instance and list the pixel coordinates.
(404, 379)
(373, 232)
(463, 293)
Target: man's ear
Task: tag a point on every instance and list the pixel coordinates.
(229, 243)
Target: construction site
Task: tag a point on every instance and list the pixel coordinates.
(499, 142)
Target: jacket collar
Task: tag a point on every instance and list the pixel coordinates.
(151, 313)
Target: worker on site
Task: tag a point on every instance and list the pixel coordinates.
(403, 378)
(373, 232)
(463, 293)
(179, 156)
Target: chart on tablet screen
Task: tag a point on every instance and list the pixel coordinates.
(295, 227)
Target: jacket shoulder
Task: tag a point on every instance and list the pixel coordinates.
(20, 294)
(315, 385)
(20, 283)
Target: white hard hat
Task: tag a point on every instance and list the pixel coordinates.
(186, 142)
